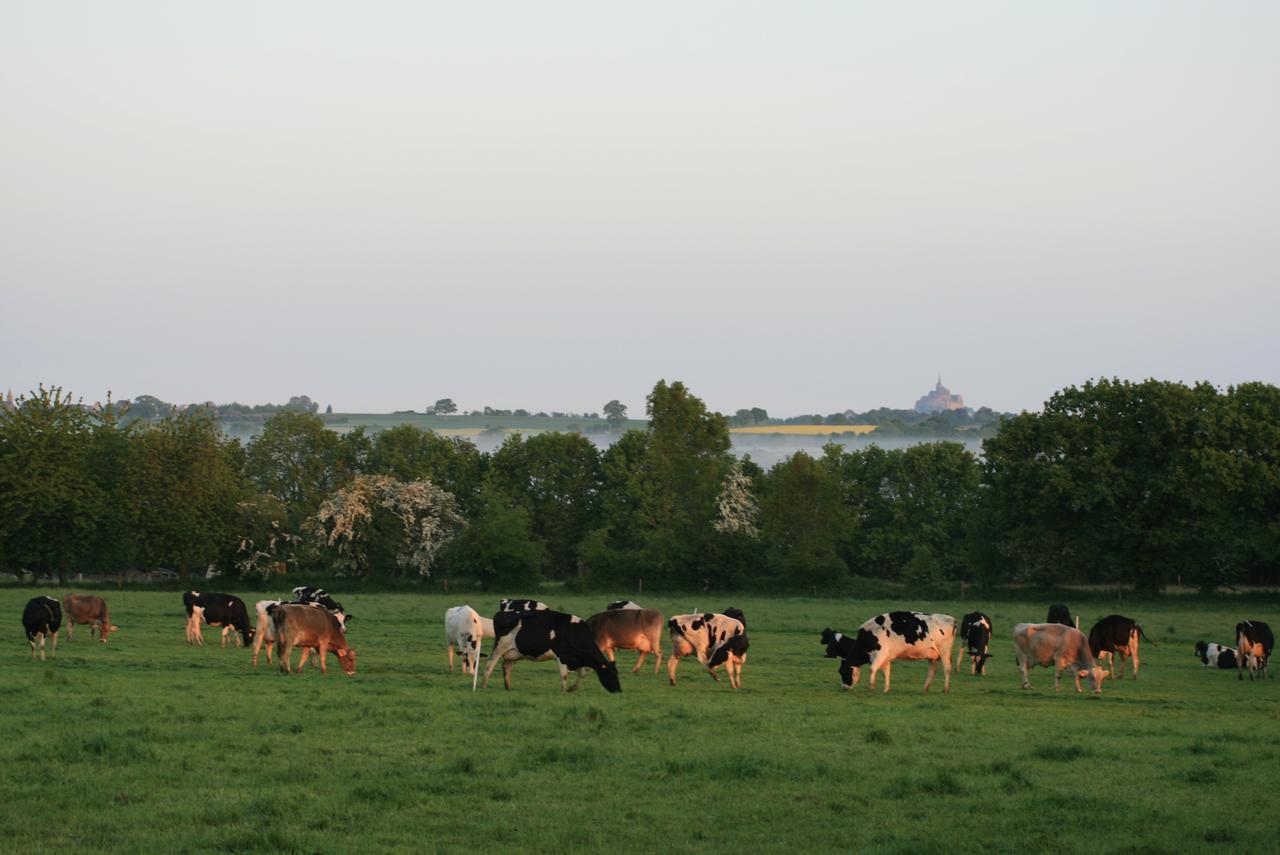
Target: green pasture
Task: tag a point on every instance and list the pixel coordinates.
(148, 745)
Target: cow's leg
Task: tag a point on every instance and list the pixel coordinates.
(673, 662)
(70, 632)
(258, 638)
(284, 652)
(506, 674)
(1057, 675)
(449, 655)
(499, 654)
(928, 677)
(640, 661)
(946, 675)
(888, 671)
(657, 657)
(1134, 648)
(53, 654)
(302, 660)
(323, 654)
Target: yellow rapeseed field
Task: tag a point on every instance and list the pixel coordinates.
(805, 430)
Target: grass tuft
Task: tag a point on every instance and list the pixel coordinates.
(879, 736)
(1056, 753)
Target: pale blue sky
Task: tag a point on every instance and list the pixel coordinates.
(801, 206)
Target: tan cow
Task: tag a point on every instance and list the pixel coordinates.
(629, 629)
(311, 629)
(1057, 646)
(77, 608)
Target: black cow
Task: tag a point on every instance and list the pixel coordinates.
(975, 632)
(222, 610)
(544, 634)
(42, 618)
(522, 606)
(1058, 613)
(1215, 655)
(1116, 635)
(1255, 641)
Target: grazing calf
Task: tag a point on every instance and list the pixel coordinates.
(220, 610)
(1057, 646)
(1058, 613)
(543, 634)
(715, 639)
(975, 633)
(42, 618)
(522, 606)
(464, 629)
(1256, 642)
(1116, 635)
(1215, 655)
(87, 609)
(629, 629)
(891, 636)
(311, 629)
(617, 605)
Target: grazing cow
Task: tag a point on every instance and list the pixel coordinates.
(892, 636)
(1256, 642)
(265, 631)
(464, 629)
(220, 610)
(545, 634)
(1058, 613)
(522, 606)
(975, 633)
(1062, 647)
(87, 609)
(311, 629)
(1116, 635)
(42, 618)
(320, 597)
(617, 605)
(629, 629)
(1215, 655)
(715, 639)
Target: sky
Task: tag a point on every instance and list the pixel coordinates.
(806, 207)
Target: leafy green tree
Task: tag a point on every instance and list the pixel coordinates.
(801, 520)
(50, 503)
(444, 407)
(556, 477)
(183, 488)
(499, 548)
(300, 462)
(615, 413)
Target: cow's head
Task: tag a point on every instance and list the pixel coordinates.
(347, 659)
(107, 629)
(608, 674)
(1097, 674)
(1202, 650)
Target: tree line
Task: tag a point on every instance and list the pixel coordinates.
(1146, 483)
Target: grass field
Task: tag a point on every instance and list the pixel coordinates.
(805, 430)
(146, 744)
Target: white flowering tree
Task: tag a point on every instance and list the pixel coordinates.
(736, 507)
(380, 523)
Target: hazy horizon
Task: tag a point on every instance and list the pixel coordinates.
(804, 208)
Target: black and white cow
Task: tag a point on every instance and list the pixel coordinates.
(42, 618)
(619, 605)
(320, 597)
(975, 636)
(1256, 642)
(522, 606)
(544, 634)
(1116, 636)
(220, 610)
(715, 639)
(890, 636)
(1058, 613)
(1215, 655)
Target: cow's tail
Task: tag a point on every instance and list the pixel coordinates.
(1138, 628)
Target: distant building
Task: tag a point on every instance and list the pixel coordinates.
(939, 400)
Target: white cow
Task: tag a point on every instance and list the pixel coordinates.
(464, 629)
(1057, 646)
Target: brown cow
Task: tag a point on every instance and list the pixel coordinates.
(1059, 647)
(77, 608)
(629, 629)
(310, 628)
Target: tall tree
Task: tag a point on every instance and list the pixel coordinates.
(444, 407)
(615, 413)
(49, 501)
(801, 521)
(409, 453)
(299, 461)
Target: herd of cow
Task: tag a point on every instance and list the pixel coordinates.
(529, 629)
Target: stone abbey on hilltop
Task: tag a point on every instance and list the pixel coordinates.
(939, 400)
